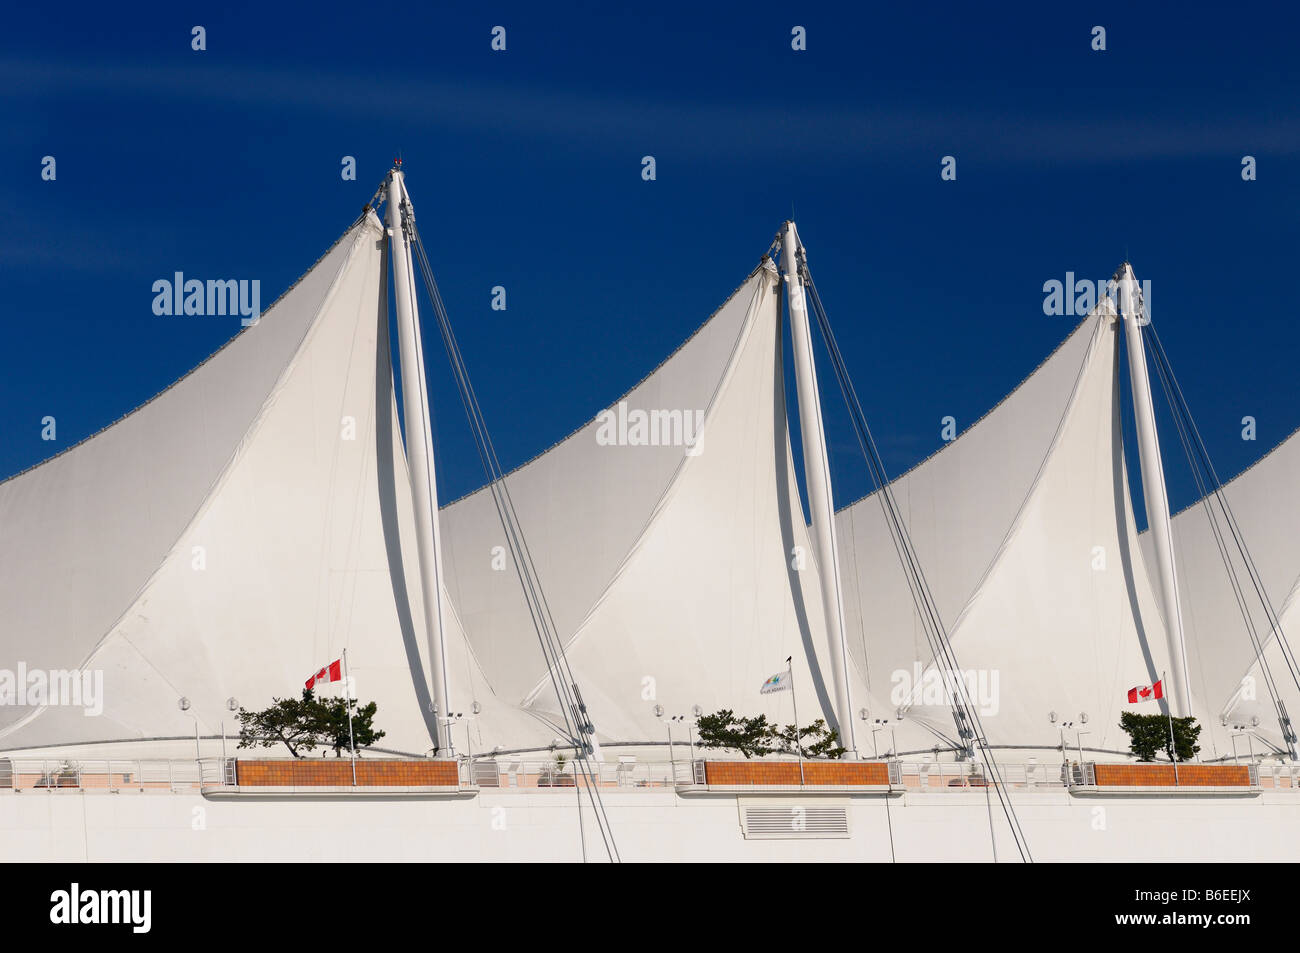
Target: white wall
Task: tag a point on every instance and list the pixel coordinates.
(649, 826)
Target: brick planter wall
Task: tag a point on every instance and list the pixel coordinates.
(1162, 775)
(848, 773)
(338, 773)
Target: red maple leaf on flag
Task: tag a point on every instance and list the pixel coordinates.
(1146, 692)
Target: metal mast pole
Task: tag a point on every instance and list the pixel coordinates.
(1153, 485)
(419, 447)
(347, 700)
(1173, 742)
(818, 475)
(798, 738)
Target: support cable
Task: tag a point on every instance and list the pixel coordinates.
(577, 725)
(1238, 537)
(1210, 491)
(1204, 495)
(969, 727)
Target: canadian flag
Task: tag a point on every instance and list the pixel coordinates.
(333, 672)
(1146, 693)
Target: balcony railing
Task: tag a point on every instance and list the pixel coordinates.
(115, 776)
(939, 777)
(194, 776)
(542, 775)
(529, 774)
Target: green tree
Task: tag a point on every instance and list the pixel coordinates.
(1149, 734)
(302, 724)
(816, 741)
(335, 717)
(749, 736)
(292, 722)
(756, 736)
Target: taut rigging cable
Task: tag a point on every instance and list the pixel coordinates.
(1210, 490)
(964, 711)
(572, 708)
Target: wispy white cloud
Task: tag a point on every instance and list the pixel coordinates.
(709, 129)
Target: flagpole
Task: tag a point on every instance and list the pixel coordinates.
(1173, 744)
(798, 740)
(347, 702)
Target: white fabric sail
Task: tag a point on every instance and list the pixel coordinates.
(1008, 523)
(295, 540)
(253, 520)
(582, 505)
(299, 546)
(1065, 619)
(708, 602)
(87, 529)
(1227, 681)
(958, 506)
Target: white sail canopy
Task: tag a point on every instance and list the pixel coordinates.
(85, 530)
(1064, 617)
(1024, 530)
(958, 506)
(271, 530)
(1227, 674)
(708, 602)
(254, 520)
(583, 504)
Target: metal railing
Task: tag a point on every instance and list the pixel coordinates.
(626, 773)
(144, 776)
(949, 776)
(115, 776)
(918, 777)
(509, 773)
(1276, 777)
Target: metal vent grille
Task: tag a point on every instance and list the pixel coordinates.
(794, 821)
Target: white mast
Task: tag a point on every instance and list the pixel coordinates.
(818, 475)
(1153, 485)
(419, 448)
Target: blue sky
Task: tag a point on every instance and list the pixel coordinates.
(525, 169)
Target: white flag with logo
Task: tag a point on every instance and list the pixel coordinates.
(780, 682)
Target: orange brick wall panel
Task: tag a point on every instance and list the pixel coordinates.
(848, 773)
(1162, 775)
(338, 773)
